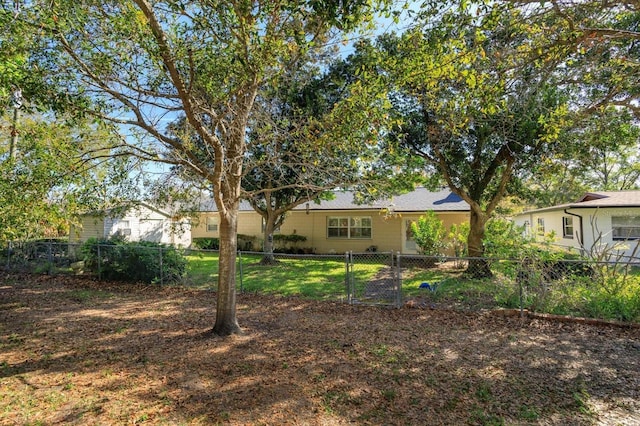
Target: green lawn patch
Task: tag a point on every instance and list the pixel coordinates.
(324, 277)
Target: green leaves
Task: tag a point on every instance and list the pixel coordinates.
(51, 179)
(429, 234)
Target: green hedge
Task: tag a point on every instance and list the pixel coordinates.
(289, 238)
(119, 260)
(206, 243)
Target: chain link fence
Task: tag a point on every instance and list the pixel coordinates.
(584, 288)
(310, 275)
(568, 287)
(373, 278)
(50, 257)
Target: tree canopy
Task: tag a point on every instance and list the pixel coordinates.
(142, 64)
(466, 108)
(53, 179)
(599, 152)
(307, 140)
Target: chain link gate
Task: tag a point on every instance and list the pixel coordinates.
(373, 279)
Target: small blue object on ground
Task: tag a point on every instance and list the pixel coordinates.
(430, 287)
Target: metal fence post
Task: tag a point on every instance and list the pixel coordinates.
(521, 276)
(521, 301)
(161, 268)
(398, 279)
(99, 263)
(346, 276)
(240, 271)
(50, 257)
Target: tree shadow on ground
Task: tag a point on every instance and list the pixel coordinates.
(112, 354)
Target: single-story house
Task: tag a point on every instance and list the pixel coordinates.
(598, 221)
(142, 222)
(339, 225)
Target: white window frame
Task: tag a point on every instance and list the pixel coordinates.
(124, 227)
(350, 227)
(540, 229)
(567, 227)
(212, 224)
(627, 228)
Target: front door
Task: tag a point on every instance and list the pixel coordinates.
(409, 245)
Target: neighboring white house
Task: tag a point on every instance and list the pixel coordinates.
(140, 223)
(597, 222)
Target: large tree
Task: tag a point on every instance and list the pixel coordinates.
(483, 87)
(471, 109)
(142, 63)
(307, 140)
(50, 165)
(591, 47)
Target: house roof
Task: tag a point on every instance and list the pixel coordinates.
(601, 199)
(419, 200)
(126, 208)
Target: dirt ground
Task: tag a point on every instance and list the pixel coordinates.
(76, 351)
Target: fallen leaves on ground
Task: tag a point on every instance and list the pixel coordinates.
(78, 351)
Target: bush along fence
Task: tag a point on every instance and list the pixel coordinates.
(113, 259)
(602, 290)
(584, 288)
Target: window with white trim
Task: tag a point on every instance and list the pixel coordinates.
(349, 227)
(212, 224)
(540, 228)
(625, 227)
(124, 227)
(567, 227)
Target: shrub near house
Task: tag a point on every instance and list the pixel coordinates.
(429, 234)
(288, 243)
(206, 243)
(117, 259)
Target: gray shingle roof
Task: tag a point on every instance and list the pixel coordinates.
(419, 200)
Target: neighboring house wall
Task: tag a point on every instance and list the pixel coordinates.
(599, 229)
(141, 223)
(208, 224)
(90, 226)
(544, 223)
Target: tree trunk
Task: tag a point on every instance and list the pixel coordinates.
(478, 264)
(267, 258)
(226, 321)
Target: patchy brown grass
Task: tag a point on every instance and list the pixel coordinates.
(80, 352)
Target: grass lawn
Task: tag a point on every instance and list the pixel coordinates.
(323, 277)
(202, 269)
(76, 351)
(317, 277)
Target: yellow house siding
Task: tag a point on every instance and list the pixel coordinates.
(386, 232)
(298, 222)
(199, 229)
(249, 223)
(90, 226)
